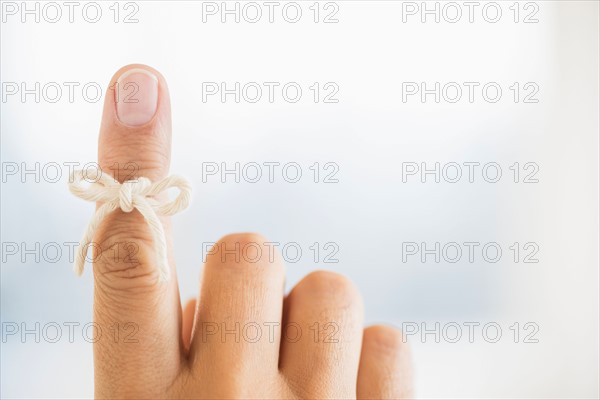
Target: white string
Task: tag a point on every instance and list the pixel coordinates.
(130, 195)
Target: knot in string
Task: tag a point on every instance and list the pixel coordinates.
(133, 191)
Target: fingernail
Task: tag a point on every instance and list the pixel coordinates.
(136, 96)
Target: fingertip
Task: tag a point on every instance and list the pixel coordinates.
(135, 133)
(137, 95)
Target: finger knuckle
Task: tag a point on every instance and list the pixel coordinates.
(244, 251)
(329, 285)
(385, 338)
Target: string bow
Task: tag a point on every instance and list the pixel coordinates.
(129, 195)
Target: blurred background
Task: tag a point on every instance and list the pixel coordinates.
(368, 126)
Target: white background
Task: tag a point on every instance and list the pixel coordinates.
(369, 133)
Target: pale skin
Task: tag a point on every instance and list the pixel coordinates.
(176, 353)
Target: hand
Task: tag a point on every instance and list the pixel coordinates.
(242, 338)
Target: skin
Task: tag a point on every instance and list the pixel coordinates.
(176, 354)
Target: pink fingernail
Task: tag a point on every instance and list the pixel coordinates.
(136, 96)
